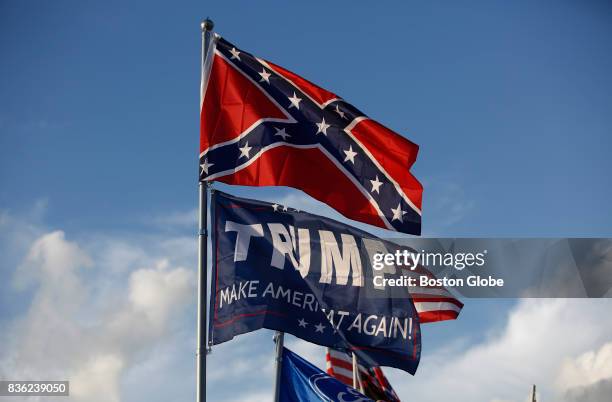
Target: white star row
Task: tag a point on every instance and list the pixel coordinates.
(276, 206)
(284, 208)
(318, 328)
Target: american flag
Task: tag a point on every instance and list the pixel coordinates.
(372, 381)
(432, 303)
(262, 125)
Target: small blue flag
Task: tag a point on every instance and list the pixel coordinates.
(302, 381)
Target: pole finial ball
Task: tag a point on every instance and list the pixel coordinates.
(207, 25)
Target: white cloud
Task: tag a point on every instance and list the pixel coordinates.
(538, 336)
(86, 322)
(98, 380)
(176, 219)
(597, 392)
(309, 351)
(155, 292)
(51, 259)
(586, 369)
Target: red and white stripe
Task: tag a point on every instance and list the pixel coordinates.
(340, 366)
(432, 303)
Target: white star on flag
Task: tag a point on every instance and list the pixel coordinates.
(398, 213)
(319, 328)
(302, 323)
(282, 133)
(295, 101)
(275, 207)
(244, 151)
(205, 166)
(265, 76)
(350, 154)
(322, 127)
(235, 54)
(376, 185)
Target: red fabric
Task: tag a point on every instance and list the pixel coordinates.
(232, 105)
(317, 93)
(395, 153)
(286, 166)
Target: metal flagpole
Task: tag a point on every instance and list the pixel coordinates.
(207, 26)
(357, 384)
(279, 339)
(355, 370)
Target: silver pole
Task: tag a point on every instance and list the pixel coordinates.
(207, 26)
(357, 384)
(355, 371)
(279, 338)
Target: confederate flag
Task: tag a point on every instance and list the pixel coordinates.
(262, 125)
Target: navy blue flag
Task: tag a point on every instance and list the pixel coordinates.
(310, 276)
(302, 381)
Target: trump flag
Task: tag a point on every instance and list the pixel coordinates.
(262, 125)
(310, 276)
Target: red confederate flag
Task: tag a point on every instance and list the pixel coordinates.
(262, 125)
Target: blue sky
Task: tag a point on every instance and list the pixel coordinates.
(510, 102)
